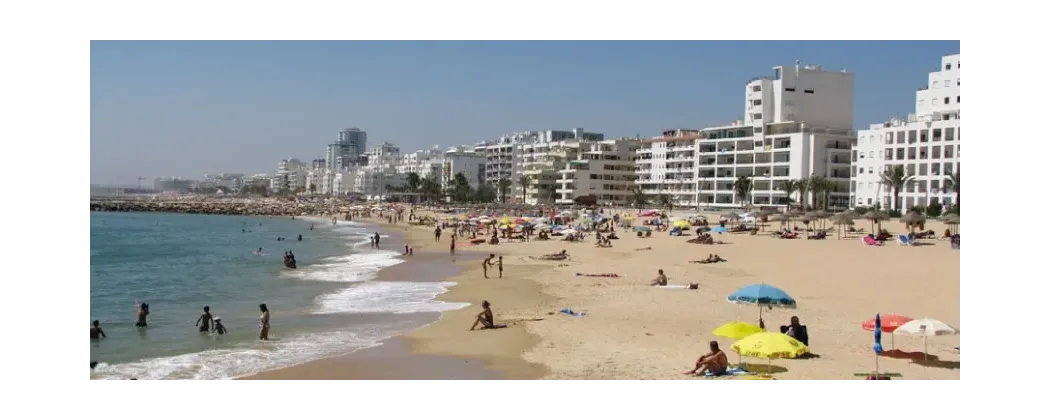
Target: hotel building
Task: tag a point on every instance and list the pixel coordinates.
(542, 157)
(604, 168)
(926, 143)
(797, 124)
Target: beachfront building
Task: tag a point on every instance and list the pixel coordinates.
(348, 150)
(224, 181)
(926, 143)
(291, 175)
(666, 165)
(541, 159)
(462, 160)
(797, 124)
(425, 163)
(501, 156)
(602, 168)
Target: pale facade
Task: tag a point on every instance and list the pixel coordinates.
(604, 168)
(467, 162)
(927, 144)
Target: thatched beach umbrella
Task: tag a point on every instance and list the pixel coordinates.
(912, 219)
(842, 220)
(818, 215)
(876, 217)
(952, 220)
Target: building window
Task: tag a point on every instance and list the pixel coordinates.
(947, 100)
(947, 83)
(912, 136)
(888, 155)
(949, 134)
(936, 134)
(948, 152)
(861, 170)
(756, 116)
(935, 85)
(922, 102)
(889, 138)
(806, 91)
(957, 82)
(755, 88)
(958, 99)
(946, 67)
(936, 152)
(922, 136)
(870, 171)
(862, 155)
(900, 137)
(789, 89)
(756, 102)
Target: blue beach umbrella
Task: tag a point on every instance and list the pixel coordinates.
(878, 341)
(762, 295)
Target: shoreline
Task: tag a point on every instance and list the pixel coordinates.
(437, 350)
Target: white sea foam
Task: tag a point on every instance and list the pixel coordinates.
(252, 357)
(388, 297)
(348, 268)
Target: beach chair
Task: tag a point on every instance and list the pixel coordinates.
(871, 241)
(904, 240)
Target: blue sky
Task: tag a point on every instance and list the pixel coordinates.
(169, 108)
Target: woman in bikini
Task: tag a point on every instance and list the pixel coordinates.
(264, 322)
(141, 316)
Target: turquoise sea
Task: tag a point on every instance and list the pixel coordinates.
(178, 263)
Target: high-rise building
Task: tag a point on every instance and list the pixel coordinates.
(348, 149)
(927, 144)
(797, 124)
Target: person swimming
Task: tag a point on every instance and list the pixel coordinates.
(142, 314)
(300, 237)
(205, 320)
(219, 328)
(96, 331)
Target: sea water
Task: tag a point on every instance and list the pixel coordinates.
(178, 263)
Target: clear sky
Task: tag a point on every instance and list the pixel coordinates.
(188, 108)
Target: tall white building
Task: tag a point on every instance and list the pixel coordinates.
(347, 150)
(797, 123)
(501, 156)
(291, 175)
(603, 168)
(462, 160)
(541, 160)
(425, 163)
(926, 143)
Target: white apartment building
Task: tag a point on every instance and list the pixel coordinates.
(291, 175)
(542, 159)
(461, 160)
(926, 143)
(604, 168)
(425, 163)
(501, 156)
(797, 123)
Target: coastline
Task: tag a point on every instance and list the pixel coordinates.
(437, 350)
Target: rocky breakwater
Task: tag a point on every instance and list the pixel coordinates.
(219, 207)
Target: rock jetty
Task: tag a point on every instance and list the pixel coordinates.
(232, 207)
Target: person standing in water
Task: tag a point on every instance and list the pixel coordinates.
(264, 322)
(96, 331)
(377, 239)
(300, 237)
(204, 321)
(142, 314)
(219, 328)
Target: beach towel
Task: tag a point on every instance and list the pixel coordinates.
(673, 286)
(613, 275)
(570, 312)
(732, 371)
(870, 241)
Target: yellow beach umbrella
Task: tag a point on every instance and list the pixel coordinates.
(769, 346)
(737, 330)
(505, 220)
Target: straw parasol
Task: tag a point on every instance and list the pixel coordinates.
(876, 217)
(952, 220)
(842, 220)
(912, 219)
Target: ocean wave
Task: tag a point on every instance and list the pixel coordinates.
(348, 268)
(388, 297)
(252, 357)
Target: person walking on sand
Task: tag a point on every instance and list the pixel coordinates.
(485, 264)
(204, 321)
(452, 244)
(96, 331)
(499, 264)
(437, 234)
(264, 322)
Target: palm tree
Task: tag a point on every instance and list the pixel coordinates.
(412, 181)
(639, 198)
(951, 183)
(743, 187)
(665, 201)
(803, 186)
(789, 187)
(821, 188)
(504, 187)
(524, 181)
(896, 179)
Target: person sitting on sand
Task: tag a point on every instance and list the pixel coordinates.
(485, 318)
(714, 362)
(660, 280)
(796, 330)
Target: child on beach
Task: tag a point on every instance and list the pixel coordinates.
(499, 264)
(96, 331)
(219, 328)
(204, 321)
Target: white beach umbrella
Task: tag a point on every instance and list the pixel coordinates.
(926, 327)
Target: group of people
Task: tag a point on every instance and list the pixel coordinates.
(490, 261)
(289, 259)
(716, 363)
(206, 322)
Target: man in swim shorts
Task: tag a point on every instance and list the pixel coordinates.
(715, 362)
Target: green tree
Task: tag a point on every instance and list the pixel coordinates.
(524, 182)
(896, 179)
(504, 187)
(638, 198)
(951, 184)
(665, 201)
(412, 182)
(461, 191)
(430, 189)
(313, 188)
(485, 194)
(803, 186)
(743, 187)
(789, 187)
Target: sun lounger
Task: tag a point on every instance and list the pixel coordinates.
(904, 240)
(871, 241)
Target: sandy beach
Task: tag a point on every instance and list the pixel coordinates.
(634, 331)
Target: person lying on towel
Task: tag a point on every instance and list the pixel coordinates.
(715, 362)
(711, 258)
(485, 318)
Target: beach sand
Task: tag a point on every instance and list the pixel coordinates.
(635, 331)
